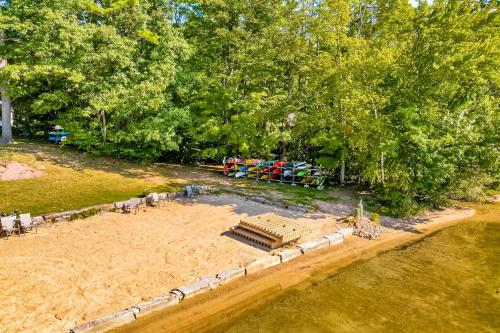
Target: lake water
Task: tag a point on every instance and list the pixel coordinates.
(448, 282)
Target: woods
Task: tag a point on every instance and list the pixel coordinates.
(403, 99)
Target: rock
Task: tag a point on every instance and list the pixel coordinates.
(107, 323)
(157, 303)
(104, 208)
(230, 274)
(289, 254)
(317, 244)
(38, 219)
(346, 231)
(260, 264)
(198, 287)
(366, 228)
(153, 199)
(335, 238)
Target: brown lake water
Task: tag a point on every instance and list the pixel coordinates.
(447, 282)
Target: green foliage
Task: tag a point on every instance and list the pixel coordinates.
(406, 97)
(375, 218)
(85, 214)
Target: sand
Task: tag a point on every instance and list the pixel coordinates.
(77, 271)
(17, 171)
(209, 310)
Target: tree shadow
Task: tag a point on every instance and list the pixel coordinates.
(245, 241)
(69, 157)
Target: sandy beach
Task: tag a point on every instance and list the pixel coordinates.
(77, 271)
(210, 309)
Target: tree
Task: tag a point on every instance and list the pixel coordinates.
(401, 99)
(6, 111)
(103, 70)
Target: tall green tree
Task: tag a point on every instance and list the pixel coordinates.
(105, 70)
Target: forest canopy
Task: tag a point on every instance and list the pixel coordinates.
(398, 97)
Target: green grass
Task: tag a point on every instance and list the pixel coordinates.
(73, 180)
(284, 192)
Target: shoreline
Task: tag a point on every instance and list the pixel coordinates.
(210, 310)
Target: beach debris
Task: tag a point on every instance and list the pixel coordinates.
(366, 228)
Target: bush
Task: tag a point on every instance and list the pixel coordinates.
(398, 203)
(375, 218)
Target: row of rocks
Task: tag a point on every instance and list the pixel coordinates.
(89, 211)
(207, 283)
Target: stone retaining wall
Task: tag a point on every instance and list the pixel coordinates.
(207, 283)
(93, 210)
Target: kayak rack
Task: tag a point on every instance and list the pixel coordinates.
(313, 176)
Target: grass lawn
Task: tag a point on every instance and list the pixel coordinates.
(73, 180)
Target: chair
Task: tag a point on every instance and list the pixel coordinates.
(119, 205)
(27, 223)
(163, 197)
(9, 225)
(153, 199)
(134, 204)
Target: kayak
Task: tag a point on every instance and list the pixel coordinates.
(227, 168)
(265, 163)
(240, 174)
(303, 166)
(274, 176)
(319, 181)
(307, 180)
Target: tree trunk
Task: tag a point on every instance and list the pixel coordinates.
(104, 128)
(6, 111)
(342, 172)
(382, 170)
(6, 117)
